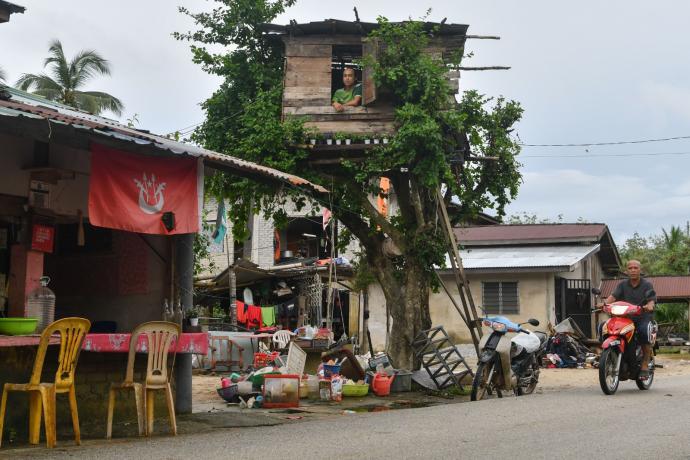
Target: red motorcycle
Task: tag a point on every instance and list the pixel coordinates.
(622, 354)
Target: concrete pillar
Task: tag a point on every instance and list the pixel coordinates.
(25, 273)
(184, 281)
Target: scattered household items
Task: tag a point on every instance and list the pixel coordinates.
(402, 382)
(281, 390)
(508, 363)
(160, 336)
(263, 359)
(41, 304)
(222, 352)
(42, 395)
(18, 326)
(349, 365)
(440, 358)
(355, 389)
(282, 338)
(622, 354)
(229, 393)
(296, 360)
(566, 347)
(381, 384)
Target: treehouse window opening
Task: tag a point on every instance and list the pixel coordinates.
(344, 57)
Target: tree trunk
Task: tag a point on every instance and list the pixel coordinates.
(408, 302)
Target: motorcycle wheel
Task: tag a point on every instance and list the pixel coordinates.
(647, 384)
(480, 386)
(608, 372)
(529, 389)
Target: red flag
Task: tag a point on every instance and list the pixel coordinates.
(132, 192)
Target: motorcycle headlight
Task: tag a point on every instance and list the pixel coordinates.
(498, 327)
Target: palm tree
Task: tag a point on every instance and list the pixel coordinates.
(68, 77)
(2, 75)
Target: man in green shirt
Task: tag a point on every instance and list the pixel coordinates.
(350, 95)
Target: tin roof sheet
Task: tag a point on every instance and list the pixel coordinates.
(536, 258)
(529, 233)
(666, 287)
(16, 103)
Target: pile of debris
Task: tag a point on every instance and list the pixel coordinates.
(566, 347)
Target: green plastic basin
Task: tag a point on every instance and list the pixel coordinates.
(18, 326)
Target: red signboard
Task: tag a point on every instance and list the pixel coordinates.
(42, 238)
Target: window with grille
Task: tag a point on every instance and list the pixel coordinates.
(500, 297)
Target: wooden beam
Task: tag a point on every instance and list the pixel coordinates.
(483, 37)
(493, 67)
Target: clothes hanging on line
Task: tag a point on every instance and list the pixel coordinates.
(253, 317)
(268, 316)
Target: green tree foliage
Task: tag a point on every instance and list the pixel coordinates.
(243, 119)
(667, 253)
(68, 76)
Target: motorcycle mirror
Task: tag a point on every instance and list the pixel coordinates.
(596, 291)
(533, 322)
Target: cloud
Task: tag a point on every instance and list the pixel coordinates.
(665, 100)
(626, 204)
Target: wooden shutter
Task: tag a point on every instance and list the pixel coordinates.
(370, 47)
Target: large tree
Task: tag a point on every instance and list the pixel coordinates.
(425, 155)
(67, 77)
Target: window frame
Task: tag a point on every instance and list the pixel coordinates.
(500, 309)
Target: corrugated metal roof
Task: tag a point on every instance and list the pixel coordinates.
(530, 233)
(338, 27)
(666, 287)
(11, 7)
(21, 104)
(536, 258)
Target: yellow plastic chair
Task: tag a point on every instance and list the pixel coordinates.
(160, 335)
(42, 395)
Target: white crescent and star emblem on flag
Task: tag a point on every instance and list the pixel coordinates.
(151, 199)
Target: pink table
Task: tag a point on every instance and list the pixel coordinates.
(193, 343)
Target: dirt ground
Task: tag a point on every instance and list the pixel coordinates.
(206, 399)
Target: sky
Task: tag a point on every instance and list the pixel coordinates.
(585, 72)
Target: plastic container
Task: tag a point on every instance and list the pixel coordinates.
(402, 382)
(337, 388)
(330, 370)
(281, 391)
(313, 387)
(381, 386)
(18, 326)
(264, 359)
(41, 304)
(229, 394)
(355, 390)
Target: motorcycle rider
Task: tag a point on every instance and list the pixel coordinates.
(635, 290)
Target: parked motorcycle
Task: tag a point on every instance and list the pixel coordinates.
(622, 354)
(508, 363)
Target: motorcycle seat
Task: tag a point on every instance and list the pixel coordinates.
(541, 335)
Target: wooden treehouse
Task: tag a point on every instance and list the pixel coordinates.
(316, 55)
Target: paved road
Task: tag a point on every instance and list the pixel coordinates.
(573, 423)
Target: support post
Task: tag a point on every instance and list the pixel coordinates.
(184, 280)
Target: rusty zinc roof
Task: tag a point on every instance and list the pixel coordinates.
(33, 110)
(668, 288)
(530, 233)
